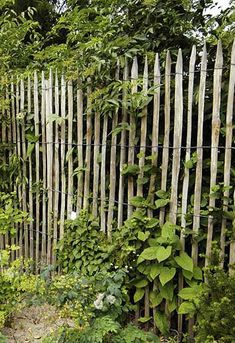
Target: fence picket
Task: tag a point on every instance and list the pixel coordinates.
(178, 122)
(37, 167)
(198, 177)
(132, 132)
(80, 147)
(218, 70)
(123, 148)
(166, 140)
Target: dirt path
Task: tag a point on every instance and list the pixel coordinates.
(32, 324)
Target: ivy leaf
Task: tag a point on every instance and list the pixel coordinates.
(155, 271)
(139, 293)
(168, 230)
(172, 305)
(188, 275)
(155, 298)
(161, 203)
(185, 262)
(143, 236)
(162, 194)
(141, 283)
(163, 253)
(137, 201)
(144, 319)
(130, 170)
(187, 307)
(167, 291)
(149, 254)
(189, 293)
(153, 222)
(161, 322)
(197, 273)
(166, 275)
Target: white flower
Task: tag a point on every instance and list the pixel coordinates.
(100, 296)
(73, 215)
(111, 299)
(99, 304)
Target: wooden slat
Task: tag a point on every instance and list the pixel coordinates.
(70, 149)
(49, 146)
(155, 129)
(56, 182)
(228, 156)
(112, 182)
(103, 175)
(88, 148)
(14, 240)
(186, 170)
(188, 143)
(44, 174)
(178, 122)
(62, 156)
(198, 178)
(123, 149)
(96, 165)
(80, 146)
(132, 135)
(31, 212)
(37, 166)
(143, 132)
(214, 141)
(25, 235)
(166, 140)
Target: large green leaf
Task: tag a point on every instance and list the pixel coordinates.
(166, 275)
(143, 236)
(161, 322)
(185, 262)
(167, 291)
(163, 253)
(190, 293)
(155, 271)
(141, 283)
(139, 293)
(155, 298)
(149, 254)
(161, 203)
(197, 273)
(187, 307)
(168, 230)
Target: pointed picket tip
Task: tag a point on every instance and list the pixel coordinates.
(134, 69)
(233, 53)
(219, 56)
(204, 58)
(179, 63)
(157, 72)
(193, 56)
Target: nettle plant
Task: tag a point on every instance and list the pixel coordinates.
(158, 264)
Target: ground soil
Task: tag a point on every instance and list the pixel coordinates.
(32, 324)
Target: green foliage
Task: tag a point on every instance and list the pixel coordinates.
(216, 308)
(84, 247)
(10, 215)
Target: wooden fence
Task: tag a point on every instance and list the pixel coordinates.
(81, 148)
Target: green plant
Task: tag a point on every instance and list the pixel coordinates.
(84, 248)
(155, 255)
(216, 308)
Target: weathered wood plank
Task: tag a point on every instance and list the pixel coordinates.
(218, 70)
(198, 178)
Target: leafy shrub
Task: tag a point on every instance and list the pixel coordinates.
(84, 248)
(216, 308)
(103, 330)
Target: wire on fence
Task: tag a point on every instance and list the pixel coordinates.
(126, 145)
